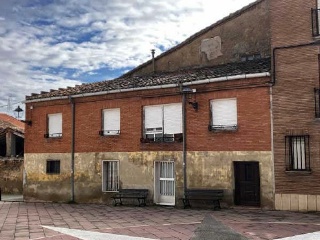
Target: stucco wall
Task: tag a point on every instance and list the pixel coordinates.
(204, 170)
(240, 34)
(11, 175)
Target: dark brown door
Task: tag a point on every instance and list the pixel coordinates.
(247, 183)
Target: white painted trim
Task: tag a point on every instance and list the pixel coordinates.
(209, 80)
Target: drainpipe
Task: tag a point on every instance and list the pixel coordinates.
(72, 146)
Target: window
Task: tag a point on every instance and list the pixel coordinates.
(223, 114)
(53, 166)
(163, 123)
(317, 102)
(54, 125)
(297, 153)
(316, 20)
(111, 122)
(110, 176)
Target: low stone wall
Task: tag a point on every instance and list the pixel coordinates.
(11, 175)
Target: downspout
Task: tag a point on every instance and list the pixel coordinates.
(72, 200)
(184, 141)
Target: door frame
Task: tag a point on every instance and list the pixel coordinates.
(156, 195)
(237, 187)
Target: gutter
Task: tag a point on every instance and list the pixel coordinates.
(209, 80)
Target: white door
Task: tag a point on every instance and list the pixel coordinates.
(164, 183)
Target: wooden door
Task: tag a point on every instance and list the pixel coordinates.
(247, 183)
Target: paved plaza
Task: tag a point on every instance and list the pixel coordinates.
(53, 221)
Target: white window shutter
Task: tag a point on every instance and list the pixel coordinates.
(111, 121)
(153, 116)
(173, 118)
(224, 112)
(55, 125)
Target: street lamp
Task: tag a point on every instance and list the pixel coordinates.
(185, 91)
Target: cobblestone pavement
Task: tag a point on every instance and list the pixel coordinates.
(53, 221)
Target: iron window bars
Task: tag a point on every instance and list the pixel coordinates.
(297, 153)
(315, 14)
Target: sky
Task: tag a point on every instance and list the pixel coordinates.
(51, 44)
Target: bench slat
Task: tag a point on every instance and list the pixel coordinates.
(139, 194)
(212, 195)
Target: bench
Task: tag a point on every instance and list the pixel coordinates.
(139, 194)
(205, 195)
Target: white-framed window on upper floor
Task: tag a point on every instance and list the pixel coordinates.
(54, 125)
(110, 122)
(223, 114)
(110, 175)
(162, 123)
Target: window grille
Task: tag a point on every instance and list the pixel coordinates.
(110, 176)
(315, 14)
(317, 102)
(297, 153)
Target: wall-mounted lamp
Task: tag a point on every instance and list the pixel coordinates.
(195, 105)
(28, 122)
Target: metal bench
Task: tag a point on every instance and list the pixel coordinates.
(139, 194)
(205, 195)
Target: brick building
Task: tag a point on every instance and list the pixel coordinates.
(295, 103)
(197, 116)
(247, 117)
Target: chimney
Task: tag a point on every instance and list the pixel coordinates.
(153, 66)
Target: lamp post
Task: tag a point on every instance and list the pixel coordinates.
(185, 91)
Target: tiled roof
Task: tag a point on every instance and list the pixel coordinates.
(7, 121)
(156, 79)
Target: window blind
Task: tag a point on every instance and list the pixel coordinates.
(153, 116)
(172, 118)
(111, 121)
(55, 125)
(224, 112)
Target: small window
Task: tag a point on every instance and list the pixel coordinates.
(53, 166)
(163, 123)
(54, 125)
(223, 114)
(111, 122)
(297, 153)
(110, 176)
(317, 102)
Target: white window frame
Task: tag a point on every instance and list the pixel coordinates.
(115, 117)
(159, 133)
(228, 122)
(54, 125)
(113, 184)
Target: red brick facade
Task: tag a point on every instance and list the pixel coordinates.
(253, 120)
(296, 76)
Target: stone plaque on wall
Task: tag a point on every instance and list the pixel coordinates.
(211, 47)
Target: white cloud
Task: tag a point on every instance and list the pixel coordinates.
(46, 45)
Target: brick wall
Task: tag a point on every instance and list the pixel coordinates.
(241, 34)
(297, 74)
(253, 133)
